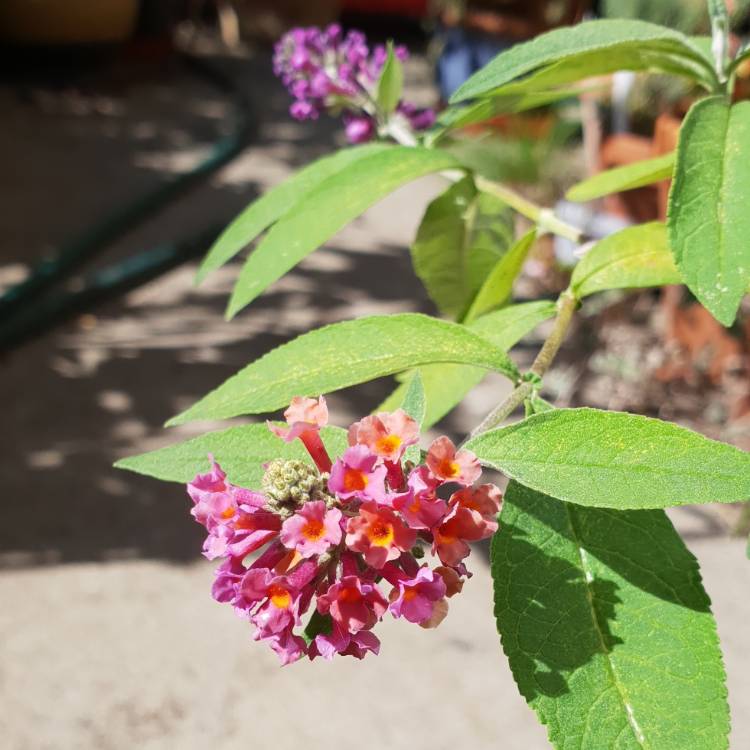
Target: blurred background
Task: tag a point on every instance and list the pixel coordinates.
(131, 132)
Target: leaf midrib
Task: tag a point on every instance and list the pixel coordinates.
(626, 706)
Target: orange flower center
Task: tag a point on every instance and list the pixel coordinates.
(443, 538)
(388, 444)
(349, 595)
(279, 596)
(415, 506)
(355, 480)
(380, 533)
(449, 468)
(228, 513)
(409, 594)
(313, 530)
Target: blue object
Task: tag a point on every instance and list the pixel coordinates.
(464, 52)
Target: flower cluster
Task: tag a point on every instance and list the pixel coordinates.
(329, 538)
(327, 70)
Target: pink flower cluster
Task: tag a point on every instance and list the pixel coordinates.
(328, 538)
(327, 70)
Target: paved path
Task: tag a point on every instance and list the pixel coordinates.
(108, 636)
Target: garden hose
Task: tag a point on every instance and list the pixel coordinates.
(18, 322)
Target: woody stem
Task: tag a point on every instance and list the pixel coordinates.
(566, 306)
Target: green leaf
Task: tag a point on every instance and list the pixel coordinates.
(590, 49)
(329, 207)
(318, 624)
(703, 44)
(345, 354)
(446, 385)
(276, 202)
(607, 627)
(241, 451)
(391, 83)
(708, 219)
(632, 258)
(535, 404)
(628, 177)
(512, 102)
(415, 405)
(631, 461)
(498, 285)
(462, 235)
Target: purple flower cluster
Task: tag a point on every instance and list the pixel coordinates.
(326, 70)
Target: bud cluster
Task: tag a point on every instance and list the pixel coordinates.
(289, 484)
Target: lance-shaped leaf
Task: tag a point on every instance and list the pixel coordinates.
(630, 461)
(606, 626)
(512, 102)
(345, 354)
(632, 258)
(241, 451)
(461, 237)
(708, 219)
(446, 385)
(276, 202)
(415, 405)
(391, 83)
(590, 49)
(628, 177)
(497, 287)
(326, 209)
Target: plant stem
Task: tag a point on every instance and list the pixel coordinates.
(545, 218)
(566, 306)
(400, 132)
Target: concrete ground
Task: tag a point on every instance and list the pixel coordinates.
(108, 636)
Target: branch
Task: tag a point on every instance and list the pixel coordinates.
(566, 306)
(544, 218)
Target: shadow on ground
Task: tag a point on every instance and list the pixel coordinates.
(101, 386)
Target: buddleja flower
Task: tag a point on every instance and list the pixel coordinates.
(326, 70)
(341, 543)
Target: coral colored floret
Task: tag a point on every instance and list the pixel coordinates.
(312, 554)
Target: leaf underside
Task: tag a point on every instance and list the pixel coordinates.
(589, 49)
(632, 258)
(462, 235)
(627, 177)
